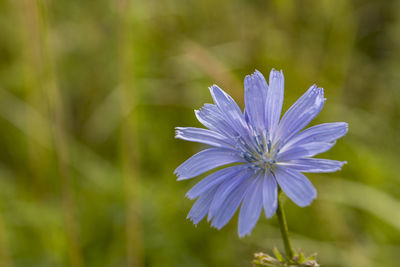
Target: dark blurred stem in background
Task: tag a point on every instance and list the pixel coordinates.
(280, 212)
(128, 141)
(44, 71)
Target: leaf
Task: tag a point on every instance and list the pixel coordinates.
(278, 255)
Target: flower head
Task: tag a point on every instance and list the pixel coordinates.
(262, 151)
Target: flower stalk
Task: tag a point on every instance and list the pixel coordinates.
(283, 227)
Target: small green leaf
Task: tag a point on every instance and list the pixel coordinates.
(312, 257)
(278, 255)
(301, 257)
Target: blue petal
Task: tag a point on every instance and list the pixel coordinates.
(226, 189)
(300, 114)
(270, 194)
(274, 100)
(312, 165)
(229, 109)
(201, 206)
(295, 185)
(256, 88)
(203, 136)
(206, 160)
(326, 132)
(304, 151)
(230, 205)
(251, 206)
(213, 180)
(211, 117)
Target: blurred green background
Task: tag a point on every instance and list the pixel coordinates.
(90, 93)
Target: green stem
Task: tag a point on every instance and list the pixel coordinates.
(283, 226)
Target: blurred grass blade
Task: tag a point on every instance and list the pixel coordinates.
(129, 146)
(5, 258)
(45, 70)
(364, 197)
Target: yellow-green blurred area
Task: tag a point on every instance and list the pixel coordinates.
(90, 93)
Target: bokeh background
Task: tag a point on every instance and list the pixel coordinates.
(90, 93)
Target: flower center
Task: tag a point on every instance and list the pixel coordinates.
(268, 159)
(261, 154)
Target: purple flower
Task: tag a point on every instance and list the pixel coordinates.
(261, 150)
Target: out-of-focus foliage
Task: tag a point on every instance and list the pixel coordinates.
(90, 93)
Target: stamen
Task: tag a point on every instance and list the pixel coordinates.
(269, 146)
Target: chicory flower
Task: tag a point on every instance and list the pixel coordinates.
(262, 151)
